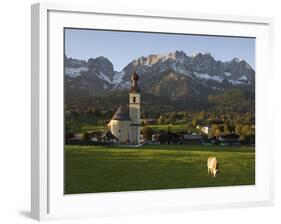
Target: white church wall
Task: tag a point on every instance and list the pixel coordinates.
(121, 130)
(135, 135)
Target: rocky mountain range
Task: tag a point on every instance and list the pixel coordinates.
(174, 75)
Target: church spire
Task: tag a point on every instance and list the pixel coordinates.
(134, 87)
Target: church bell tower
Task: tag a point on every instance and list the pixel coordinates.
(134, 106)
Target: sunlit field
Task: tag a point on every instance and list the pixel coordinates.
(90, 169)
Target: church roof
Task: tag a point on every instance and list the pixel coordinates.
(121, 114)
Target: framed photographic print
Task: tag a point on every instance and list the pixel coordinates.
(139, 111)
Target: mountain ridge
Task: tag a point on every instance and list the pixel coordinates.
(173, 74)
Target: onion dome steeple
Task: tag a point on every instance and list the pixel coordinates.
(134, 87)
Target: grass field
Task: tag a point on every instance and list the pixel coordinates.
(110, 169)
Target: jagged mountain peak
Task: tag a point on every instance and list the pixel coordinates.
(154, 58)
(237, 60)
(100, 60)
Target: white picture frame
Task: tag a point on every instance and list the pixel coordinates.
(48, 201)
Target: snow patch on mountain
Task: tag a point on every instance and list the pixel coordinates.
(180, 68)
(117, 78)
(236, 82)
(237, 60)
(124, 85)
(228, 74)
(104, 77)
(243, 78)
(73, 72)
(208, 77)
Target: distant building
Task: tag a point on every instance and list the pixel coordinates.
(225, 139)
(191, 139)
(109, 137)
(205, 130)
(252, 139)
(98, 137)
(77, 137)
(125, 123)
(168, 138)
(150, 121)
(154, 137)
(95, 136)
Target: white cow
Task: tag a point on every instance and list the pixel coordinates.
(213, 166)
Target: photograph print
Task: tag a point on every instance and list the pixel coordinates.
(155, 111)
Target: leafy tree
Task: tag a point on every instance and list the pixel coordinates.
(238, 129)
(97, 112)
(245, 130)
(218, 132)
(86, 136)
(169, 128)
(161, 120)
(226, 129)
(194, 122)
(213, 130)
(147, 132)
(221, 128)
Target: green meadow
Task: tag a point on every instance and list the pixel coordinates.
(90, 169)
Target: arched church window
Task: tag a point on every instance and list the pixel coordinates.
(119, 131)
(134, 99)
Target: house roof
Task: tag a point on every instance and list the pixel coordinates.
(168, 135)
(192, 137)
(121, 114)
(109, 135)
(229, 135)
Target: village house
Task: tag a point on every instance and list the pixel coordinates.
(191, 139)
(225, 139)
(150, 121)
(169, 138)
(101, 137)
(205, 130)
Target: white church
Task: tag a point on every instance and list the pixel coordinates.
(125, 123)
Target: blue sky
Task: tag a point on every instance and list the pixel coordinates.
(122, 47)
